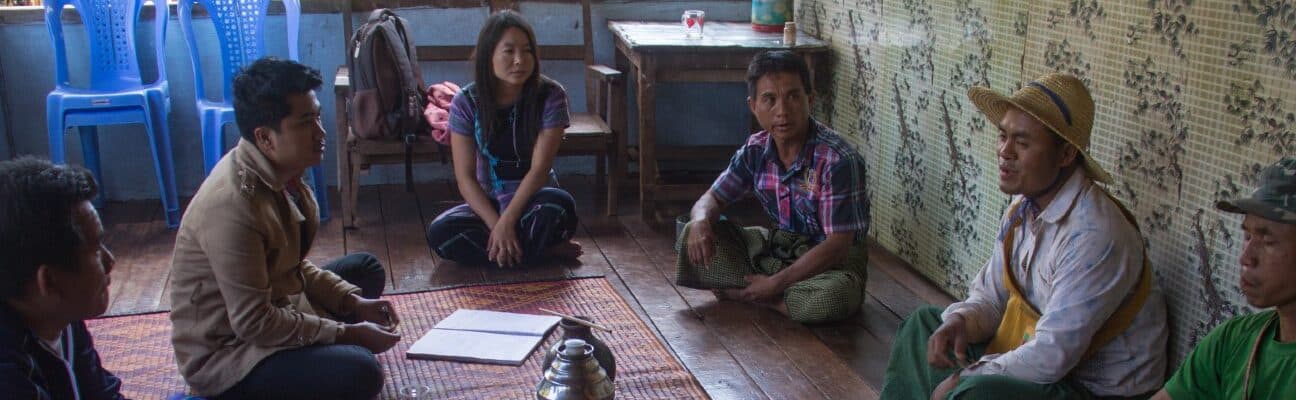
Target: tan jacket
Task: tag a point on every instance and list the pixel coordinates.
(241, 288)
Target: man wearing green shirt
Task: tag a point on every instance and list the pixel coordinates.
(1254, 356)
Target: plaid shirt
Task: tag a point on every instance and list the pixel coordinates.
(821, 193)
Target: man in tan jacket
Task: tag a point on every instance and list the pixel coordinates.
(252, 317)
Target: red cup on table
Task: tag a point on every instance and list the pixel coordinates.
(693, 20)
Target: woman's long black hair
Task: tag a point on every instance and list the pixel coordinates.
(529, 105)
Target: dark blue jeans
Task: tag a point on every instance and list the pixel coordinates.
(363, 270)
(325, 371)
(329, 371)
(461, 236)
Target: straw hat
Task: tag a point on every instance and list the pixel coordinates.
(1060, 102)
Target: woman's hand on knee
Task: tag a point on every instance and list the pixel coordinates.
(503, 247)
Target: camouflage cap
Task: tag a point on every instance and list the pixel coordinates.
(1275, 199)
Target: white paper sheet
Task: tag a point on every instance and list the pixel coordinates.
(483, 336)
(498, 322)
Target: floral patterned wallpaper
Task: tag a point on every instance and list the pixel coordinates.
(1193, 98)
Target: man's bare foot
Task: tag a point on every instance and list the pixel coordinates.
(777, 305)
(727, 294)
(565, 250)
(781, 307)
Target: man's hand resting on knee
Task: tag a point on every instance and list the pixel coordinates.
(369, 335)
(378, 311)
(950, 337)
(701, 243)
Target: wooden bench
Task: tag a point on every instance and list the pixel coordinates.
(589, 134)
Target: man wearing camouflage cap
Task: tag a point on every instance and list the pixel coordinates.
(1254, 356)
(1066, 307)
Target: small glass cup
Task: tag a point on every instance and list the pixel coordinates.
(415, 392)
(693, 20)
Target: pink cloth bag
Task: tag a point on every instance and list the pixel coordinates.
(438, 109)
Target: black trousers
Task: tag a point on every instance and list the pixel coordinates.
(461, 236)
(322, 371)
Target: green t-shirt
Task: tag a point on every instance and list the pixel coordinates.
(1217, 366)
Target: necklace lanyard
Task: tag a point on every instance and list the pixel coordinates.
(1251, 360)
(493, 161)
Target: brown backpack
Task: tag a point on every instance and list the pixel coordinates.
(388, 87)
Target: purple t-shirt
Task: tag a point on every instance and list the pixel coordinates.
(506, 158)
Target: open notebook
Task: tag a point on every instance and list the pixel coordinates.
(481, 336)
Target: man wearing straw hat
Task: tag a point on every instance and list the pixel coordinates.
(1073, 313)
(1254, 356)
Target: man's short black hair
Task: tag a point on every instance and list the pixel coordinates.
(37, 225)
(261, 92)
(775, 61)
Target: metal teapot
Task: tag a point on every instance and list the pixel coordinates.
(575, 375)
(573, 330)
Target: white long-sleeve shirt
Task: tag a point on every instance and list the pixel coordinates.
(1076, 261)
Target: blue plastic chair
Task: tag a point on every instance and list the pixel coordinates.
(117, 93)
(240, 29)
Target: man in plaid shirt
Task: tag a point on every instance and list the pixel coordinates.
(810, 182)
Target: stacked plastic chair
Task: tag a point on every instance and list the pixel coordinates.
(240, 31)
(116, 93)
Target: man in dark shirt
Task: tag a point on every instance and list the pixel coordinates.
(53, 275)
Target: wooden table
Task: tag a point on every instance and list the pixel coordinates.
(656, 52)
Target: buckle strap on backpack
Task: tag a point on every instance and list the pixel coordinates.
(410, 138)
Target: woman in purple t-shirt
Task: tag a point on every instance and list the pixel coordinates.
(506, 128)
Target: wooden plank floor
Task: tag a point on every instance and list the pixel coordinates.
(735, 350)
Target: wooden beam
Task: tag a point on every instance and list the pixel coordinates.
(497, 5)
(370, 5)
(347, 29)
(647, 93)
(444, 53)
(567, 52)
(587, 31)
(679, 192)
(604, 73)
(587, 53)
(324, 6)
(341, 130)
(25, 15)
(464, 53)
(700, 152)
(703, 75)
